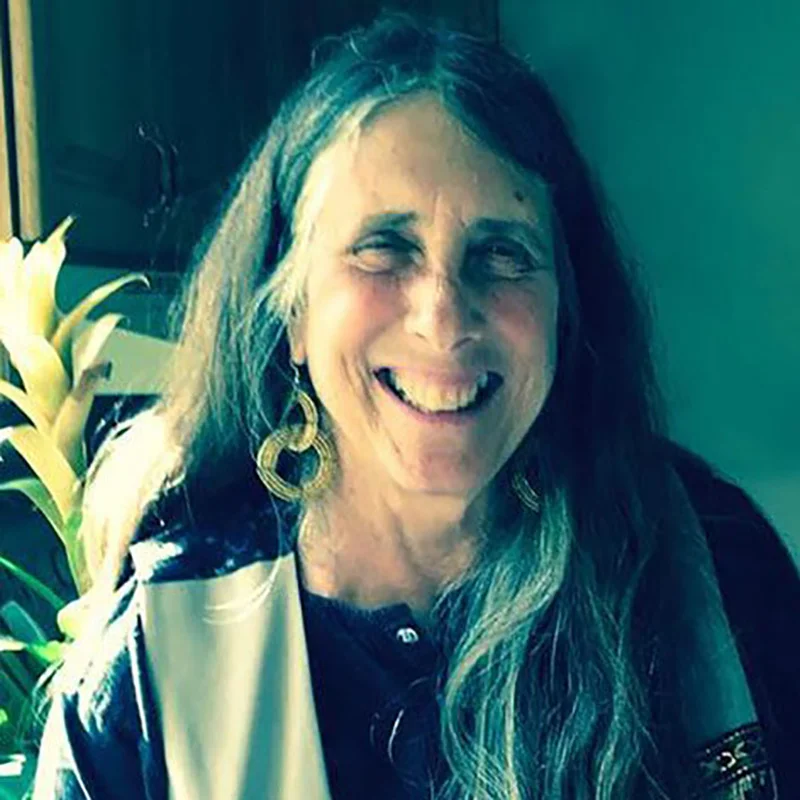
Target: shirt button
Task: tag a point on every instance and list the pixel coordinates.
(407, 635)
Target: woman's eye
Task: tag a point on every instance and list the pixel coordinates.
(384, 252)
(507, 259)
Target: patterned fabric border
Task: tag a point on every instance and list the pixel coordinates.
(735, 767)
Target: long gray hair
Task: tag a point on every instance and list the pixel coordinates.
(550, 657)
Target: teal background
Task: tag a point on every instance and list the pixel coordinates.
(689, 112)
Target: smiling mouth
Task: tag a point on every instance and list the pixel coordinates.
(484, 394)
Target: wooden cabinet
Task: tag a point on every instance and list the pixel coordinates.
(134, 114)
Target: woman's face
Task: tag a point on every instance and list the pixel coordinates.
(429, 327)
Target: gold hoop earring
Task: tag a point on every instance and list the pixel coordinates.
(526, 494)
(298, 439)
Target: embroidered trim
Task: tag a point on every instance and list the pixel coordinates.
(736, 767)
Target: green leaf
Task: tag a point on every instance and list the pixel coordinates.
(43, 374)
(51, 652)
(40, 272)
(34, 584)
(25, 404)
(48, 464)
(16, 679)
(47, 653)
(66, 327)
(15, 694)
(74, 548)
(73, 525)
(37, 493)
(67, 531)
(12, 766)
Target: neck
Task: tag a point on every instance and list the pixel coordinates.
(371, 554)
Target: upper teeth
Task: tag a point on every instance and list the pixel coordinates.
(430, 396)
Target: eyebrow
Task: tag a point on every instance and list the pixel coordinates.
(486, 226)
(531, 232)
(393, 220)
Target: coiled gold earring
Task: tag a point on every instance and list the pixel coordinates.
(298, 439)
(526, 494)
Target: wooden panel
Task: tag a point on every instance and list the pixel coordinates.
(6, 223)
(26, 127)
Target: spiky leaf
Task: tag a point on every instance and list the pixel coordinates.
(63, 334)
(37, 493)
(48, 464)
(40, 367)
(33, 583)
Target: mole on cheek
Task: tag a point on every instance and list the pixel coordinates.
(519, 197)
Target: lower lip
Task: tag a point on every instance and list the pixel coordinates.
(448, 419)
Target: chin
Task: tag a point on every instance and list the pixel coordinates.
(442, 483)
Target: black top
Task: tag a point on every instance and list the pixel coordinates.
(375, 672)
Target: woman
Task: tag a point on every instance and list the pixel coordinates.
(403, 522)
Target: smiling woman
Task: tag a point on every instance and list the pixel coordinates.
(420, 268)
(404, 522)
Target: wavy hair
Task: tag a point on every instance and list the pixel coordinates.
(550, 656)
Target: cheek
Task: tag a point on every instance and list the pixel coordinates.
(346, 315)
(528, 321)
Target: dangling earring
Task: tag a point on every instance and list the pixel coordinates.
(297, 438)
(525, 492)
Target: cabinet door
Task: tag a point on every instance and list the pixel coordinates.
(90, 89)
(134, 115)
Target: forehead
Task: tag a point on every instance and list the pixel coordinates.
(416, 156)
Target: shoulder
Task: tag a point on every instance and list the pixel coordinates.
(103, 727)
(192, 533)
(758, 577)
(760, 587)
(733, 522)
(757, 574)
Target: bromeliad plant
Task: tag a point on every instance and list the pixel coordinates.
(56, 357)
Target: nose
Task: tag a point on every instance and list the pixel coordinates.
(442, 311)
